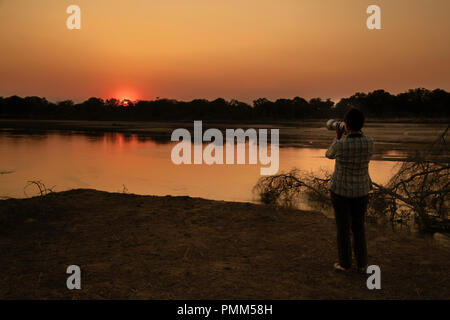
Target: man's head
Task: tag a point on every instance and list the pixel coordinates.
(354, 119)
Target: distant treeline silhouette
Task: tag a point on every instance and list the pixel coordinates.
(415, 103)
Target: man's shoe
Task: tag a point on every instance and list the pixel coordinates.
(338, 267)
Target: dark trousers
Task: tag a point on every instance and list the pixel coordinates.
(350, 213)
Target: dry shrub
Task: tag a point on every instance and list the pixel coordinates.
(40, 186)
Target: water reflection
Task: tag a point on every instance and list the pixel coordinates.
(107, 161)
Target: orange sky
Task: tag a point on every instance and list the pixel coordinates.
(244, 49)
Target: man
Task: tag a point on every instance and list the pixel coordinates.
(349, 187)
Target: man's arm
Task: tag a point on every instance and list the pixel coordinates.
(331, 152)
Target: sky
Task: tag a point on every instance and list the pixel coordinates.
(233, 49)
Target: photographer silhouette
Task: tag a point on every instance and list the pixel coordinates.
(349, 187)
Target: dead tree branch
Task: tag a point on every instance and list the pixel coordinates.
(42, 189)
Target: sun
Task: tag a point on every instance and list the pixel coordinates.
(126, 96)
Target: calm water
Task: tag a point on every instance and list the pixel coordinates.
(113, 161)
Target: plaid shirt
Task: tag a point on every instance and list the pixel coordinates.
(351, 171)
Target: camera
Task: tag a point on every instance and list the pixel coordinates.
(332, 124)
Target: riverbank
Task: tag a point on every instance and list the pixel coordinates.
(147, 247)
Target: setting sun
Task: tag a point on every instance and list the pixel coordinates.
(126, 95)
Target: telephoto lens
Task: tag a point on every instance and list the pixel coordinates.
(332, 124)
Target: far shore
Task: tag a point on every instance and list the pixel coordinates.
(148, 247)
(402, 135)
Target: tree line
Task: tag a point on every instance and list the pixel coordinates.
(414, 103)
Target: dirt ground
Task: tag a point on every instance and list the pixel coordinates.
(146, 247)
